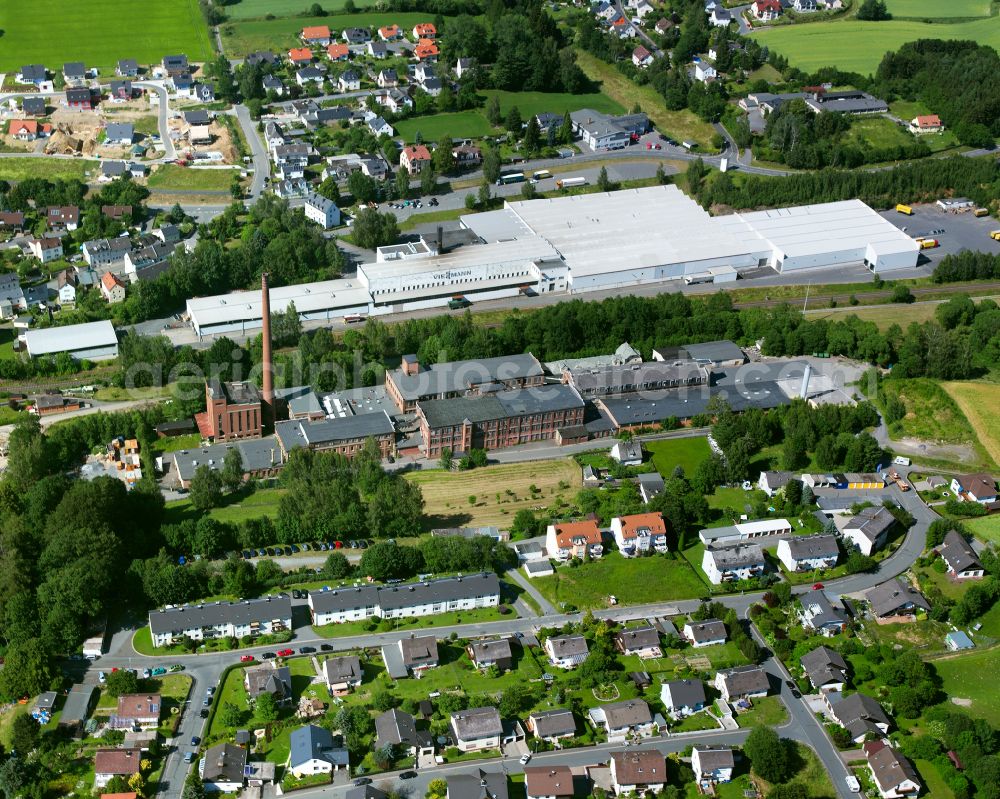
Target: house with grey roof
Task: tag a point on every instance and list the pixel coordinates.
(409, 656)
(717, 354)
(493, 652)
(627, 453)
(742, 682)
(859, 714)
(119, 133)
(733, 563)
(261, 458)
(552, 725)
(566, 651)
(478, 785)
(709, 632)
(312, 751)
(641, 641)
(712, 764)
(773, 482)
(249, 617)
(961, 559)
(868, 529)
(399, 729)
(127, 68)
(619, 720)
(825, 669)
(896, 600)
(269, 678)
(683, 697)
(477, 729)
(342, 674)
(638, 772)
(808, 552)
(819, 614)
(223, 768)
(650, 486)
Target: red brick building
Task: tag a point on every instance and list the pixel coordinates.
(232, 411)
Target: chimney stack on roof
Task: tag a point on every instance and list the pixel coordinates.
(266, 363)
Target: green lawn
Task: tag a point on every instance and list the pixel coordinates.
(245, 36)
(633, 582)
(479, 615)
(17, 169)
(768, 711)
(531, 103)
(175, 443)
(986, 528)
(877, 133)
(972, 676)
(673, 452)
(99, 32)
(461, 124)
(931, 9)
(172, 176)
(811, 774)
(934, 785)
(236, 507)
(248, 9)
(859, 46)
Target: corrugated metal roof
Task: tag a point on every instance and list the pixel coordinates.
(71, 337)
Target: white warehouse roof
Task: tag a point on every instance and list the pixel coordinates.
(246, 305)
(828, 227)
(70, 338)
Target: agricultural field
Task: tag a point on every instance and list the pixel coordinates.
(469, 124)
(16, 169)
(930, 9)
(98, 32)
(172, 176)
(670, 453)
(531, 103)
(246, 36)
(681, 125)
(633, 582)
(979, 402)
(859, 46)
(250, 9)
(971, 677)
(500, 491)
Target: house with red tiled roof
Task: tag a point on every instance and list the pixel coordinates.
(424, 30)
(300, 56)
(110, 763)
(639, 533)
(390, 33)
(29, 129)
(316, 35)
(413, 157)
(573, 540)
(931, 123)
(766, 10)
(112, 288)
(338, 51)
(426, 50)
(641, 57)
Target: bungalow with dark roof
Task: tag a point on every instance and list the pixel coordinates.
(959, 556)
(552, 725)
(896, 601)
(491, 653)
(825, 669)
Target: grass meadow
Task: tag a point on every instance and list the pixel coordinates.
(979, 402)
(250, 9)
(99, 32)
(932, 9)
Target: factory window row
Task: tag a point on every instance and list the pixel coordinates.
(440, 283)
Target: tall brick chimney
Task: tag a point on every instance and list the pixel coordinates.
(267, 393)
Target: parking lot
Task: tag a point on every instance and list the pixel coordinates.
(954, 230)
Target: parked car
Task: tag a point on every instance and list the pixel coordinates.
(101, 676)
(307, 650)
(408, 775)
(325, 648)
(188, 757)
(177, 667)
(268, 656)
(285, 652)
(159, 671)
(363, 781)
(818, 586)
(525, 758)
(146, 674)
(195, 740)
(246, 658)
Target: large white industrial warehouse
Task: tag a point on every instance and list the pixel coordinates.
(581, 243)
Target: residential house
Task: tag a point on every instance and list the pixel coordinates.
(79, 99)
(712, 765)
(825, 669)
(269, 678)
(136, 712)
(32, 73)
(105, 252)
(300, 56)
(432, 86)
(315, 35)
(183, 84)
(808, 552)
(641, 57)
(273, 84)
(414, 157)
(650, 486)
(552, 725)
(312, 752)
(29, 129)
(742, 682)
(804, 6)
(322, 211)
(641, 641)
(342, 674)
(223, 767)
(733, 563)
(630, 718)
(478, 785)
(466, 156)
(859, 714)
(663, 25)
(623, 29)
(894, 775)
(819, 613)
(704, 71)
(175, 64)
(252, 617)
(205, 92)
(960, 557)
(167, 233)
(112, 288)
(548, 782)
(387, 79)
(766, 10)
(390, 33)
(868, 530)
(308, 75)
(720, 17)
(377, 50)
(683, 697)
(627, 453)
(120, 91)
(640, 533)
(638, 772)
(62, 217)
(569, 540)
(349, 81)
(493, 652)
(424, 30)
(34, 106)
(46, 249)
(12, 220)
(379, 127)
(981, 488)
(111, 763)
(930, 123)
(772, 482)
(426, 51)
(264, 58)
(356, 35)
(477, 729)
(463, 66)
(566, 651)
(896, 600)
(399, 729)
(643, 9)
(119, 133)
(127, 68)
(410, 656)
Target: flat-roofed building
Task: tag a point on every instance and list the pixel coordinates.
(745, 531)
(92, 341)
(637, 377)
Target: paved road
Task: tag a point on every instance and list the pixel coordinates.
(261, 162)
(169, 152)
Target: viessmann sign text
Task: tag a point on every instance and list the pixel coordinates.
(451, 274)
